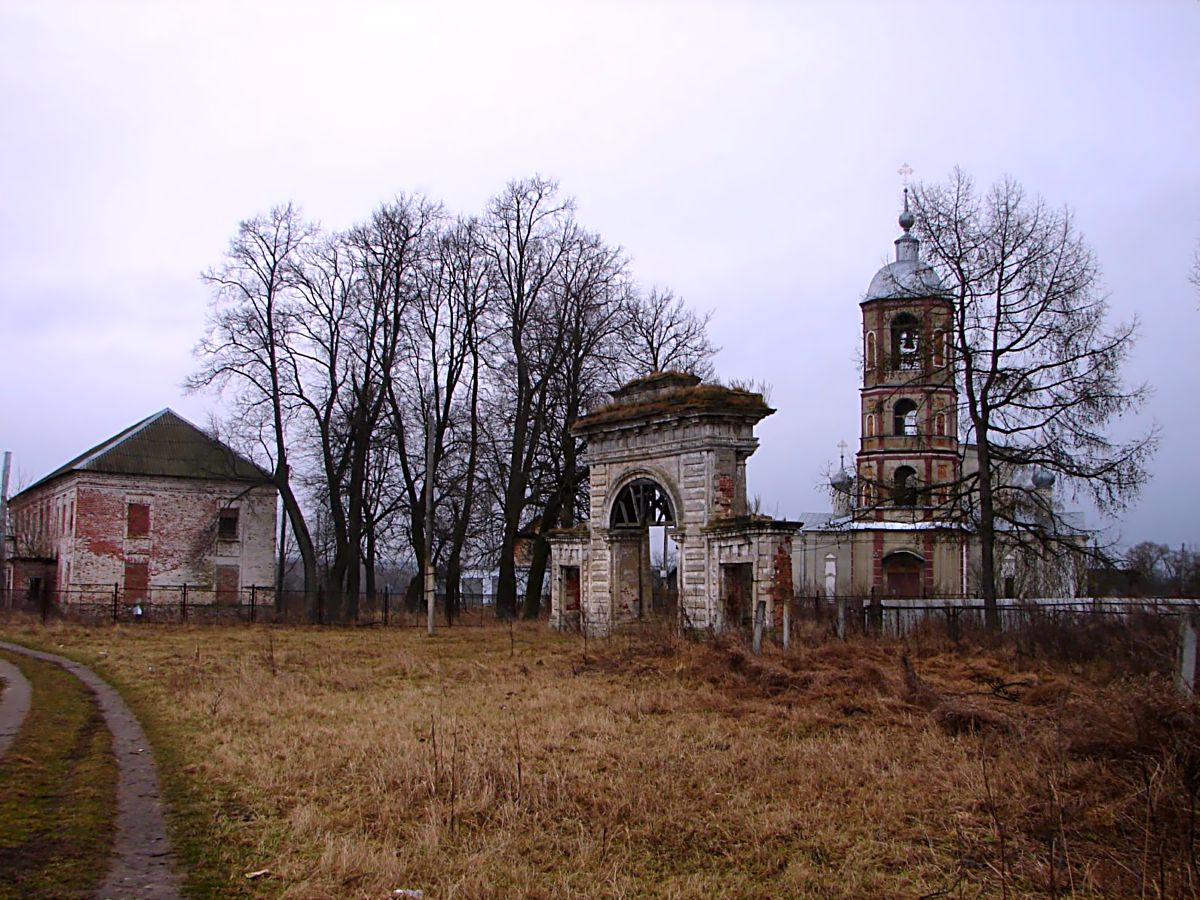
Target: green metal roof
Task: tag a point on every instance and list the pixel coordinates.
(163, 445)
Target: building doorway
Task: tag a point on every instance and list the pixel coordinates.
(903, 574)
(737, 593)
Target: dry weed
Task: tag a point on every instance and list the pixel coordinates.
(479, 763)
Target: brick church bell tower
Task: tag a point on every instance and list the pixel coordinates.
(908, 458)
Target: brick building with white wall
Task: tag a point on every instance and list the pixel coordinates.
(160, 505)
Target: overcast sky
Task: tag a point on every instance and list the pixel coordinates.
(744, 154)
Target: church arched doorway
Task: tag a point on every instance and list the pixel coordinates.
(645, 556)
(903, 573)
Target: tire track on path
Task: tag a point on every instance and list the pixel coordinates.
(143, 863)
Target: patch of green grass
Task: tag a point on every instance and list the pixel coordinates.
(59, 791)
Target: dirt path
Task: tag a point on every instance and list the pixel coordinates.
(14, 704)
(143, 864)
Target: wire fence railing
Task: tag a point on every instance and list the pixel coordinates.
(181, 604)
(1134, 635)
(898, 617)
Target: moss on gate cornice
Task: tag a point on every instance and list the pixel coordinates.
(691, 400)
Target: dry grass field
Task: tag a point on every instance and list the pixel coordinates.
(486, 763)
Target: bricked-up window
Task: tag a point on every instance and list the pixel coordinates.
(227, 525)
(137, 520)
(137, 582)
(227, 585)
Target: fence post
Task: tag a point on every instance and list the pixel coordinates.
(45, 601)
(787, 623)
(760, 615)
(116, 587)
(320, 605)
(253, 602)
(876, 614)
(385, 605)
(841, 617)
(183, 603)
(1187, 651)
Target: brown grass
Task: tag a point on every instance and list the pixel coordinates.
(354, 762)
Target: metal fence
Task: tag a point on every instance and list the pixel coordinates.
(179, 604)
(1133, 635)
(898, 617)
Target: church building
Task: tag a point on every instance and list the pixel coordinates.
(895, 529)
(900, 526)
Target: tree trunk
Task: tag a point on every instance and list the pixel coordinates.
(506, 578)
(453, 579)
(369, 567)
(987, 537)
(308, 554)
(281, 563)
(537, 574)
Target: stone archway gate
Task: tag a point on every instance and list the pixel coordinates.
(691, 442)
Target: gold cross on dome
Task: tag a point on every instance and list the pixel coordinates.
(842, 445)
(904, 172)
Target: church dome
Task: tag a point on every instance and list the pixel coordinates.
(908, 276)
(1043, 479)
(905, 278)
(842, 481)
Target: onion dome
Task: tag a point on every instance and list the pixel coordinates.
(1043, 479)
(843, 481)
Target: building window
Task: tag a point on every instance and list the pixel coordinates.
(870, 426)
(868, 495)
(227, 525)
(906, 343)
(904, 417)
(904, 486)
(137, 520)
(870, 350)
(939, 424)
(939, 348)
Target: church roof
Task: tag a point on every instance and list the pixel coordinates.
(905, 278)
(908, 276)
(162, 445)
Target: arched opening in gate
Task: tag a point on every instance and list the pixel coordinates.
(903, 572)
(645, 556)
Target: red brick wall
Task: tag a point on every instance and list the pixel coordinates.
(86, 523)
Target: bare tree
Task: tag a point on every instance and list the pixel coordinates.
(388, 253)
(245, 347)
(1038, 365)
(663, 334)
(529, 229)
(585, 328)
(434, 383)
